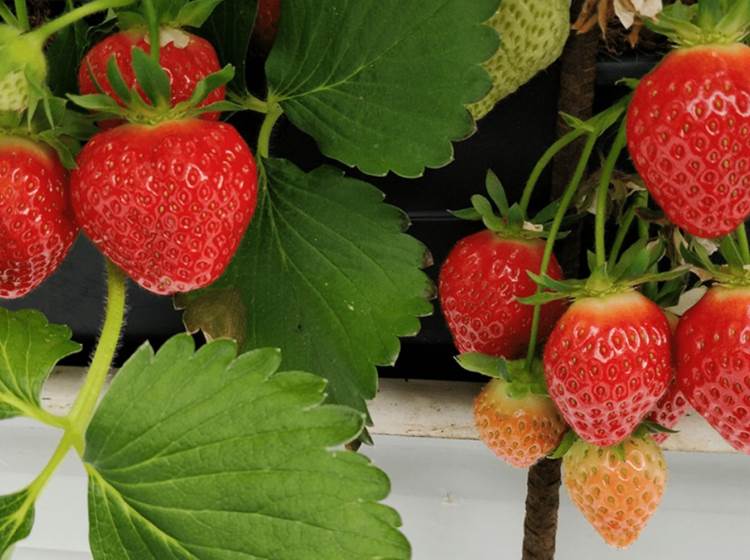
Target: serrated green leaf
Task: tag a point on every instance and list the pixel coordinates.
(16, 519)
(29, 348)
(497, 192)
(229, 28)
(382, 84)
(152, 78)
(327, 275)
(195, 13)
(208, 455)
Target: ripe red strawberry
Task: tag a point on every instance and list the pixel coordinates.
(167, 203)
(689, 124)
(520, 430)
(267, 22)
(673, 405)
(616, 492)
(185, 57)
(607, 363)
(36, 221)
(479, 283)
(713, 362)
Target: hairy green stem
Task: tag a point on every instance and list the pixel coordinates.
(83, 408)
(51, 27)
(264, 137)
(565, 202)
(602, 193)
(22, 14)
(543, 162)
(743, 243)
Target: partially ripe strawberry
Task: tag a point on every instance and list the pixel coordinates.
(616, 490)
(607, 363)
(168, 203)
(267, 22)
(480, 282)
(36, 220)
(185, 57)
(520, 430)
(713, 362)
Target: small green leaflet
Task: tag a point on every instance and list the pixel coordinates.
(327, 275)
(16, 519)
(208, 455)
(29, 349)
(382, 84)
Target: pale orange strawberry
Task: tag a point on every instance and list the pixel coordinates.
(617, 490)
(520, 429)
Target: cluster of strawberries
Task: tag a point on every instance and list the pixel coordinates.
(616, 367)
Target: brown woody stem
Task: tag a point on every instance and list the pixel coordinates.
(542, 503)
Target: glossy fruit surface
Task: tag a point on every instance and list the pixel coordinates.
(607, 363)
(168, 204)
(689, 137)
(617, 496)
(36, 220)
(479, 283)
(520, 431)
(185, 57)
(533, 34)
(713, 362)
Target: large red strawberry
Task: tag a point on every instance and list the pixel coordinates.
(713, 361)
(689, 123)
(607, 363)
(185, 57)
(480, 282)
(616, 490)
(520, 429)
(36, 221)
(167, 203)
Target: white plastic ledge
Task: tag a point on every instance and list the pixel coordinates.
(417, 408)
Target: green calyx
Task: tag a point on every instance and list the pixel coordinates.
(638, 265)
(21, 61)
(504, 219)
(168, 13)
(709, 22)
(520, 380)
(156, 106)
(733, 250)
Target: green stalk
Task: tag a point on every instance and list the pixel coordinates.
(542, 164)
(264, 136)
(565, 202)
(744, 246)
(601, 195)
(85, 404)
(153, 28)
(22, 15)
(51, 27)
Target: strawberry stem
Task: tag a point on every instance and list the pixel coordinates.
(264, 137)
(22, 15)
(153, 28)
(744, 246)
(554, 230)
(51, 27)
(602, 194)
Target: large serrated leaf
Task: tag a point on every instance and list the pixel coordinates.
(16, 519)
(29, 349)
(327, 275)
(382, 84)
(208, 455)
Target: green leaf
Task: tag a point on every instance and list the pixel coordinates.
(152, 78)
(491, 366)
(208, 455)
(195, 13)
(16, 519)
(382, 84)
(64, 54)
(229, 29)
(29, 348)
(469, 214)
(497, 192)
(327, 275)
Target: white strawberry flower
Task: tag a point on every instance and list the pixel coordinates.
(628, 10)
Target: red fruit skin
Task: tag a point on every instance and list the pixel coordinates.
(689, 137)
(713, 362)
(37, 226)
(168, 204)
(607, 363)
(479, 283)
(185, 67)
(267, 22)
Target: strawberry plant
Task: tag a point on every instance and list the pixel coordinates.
(227, 449)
